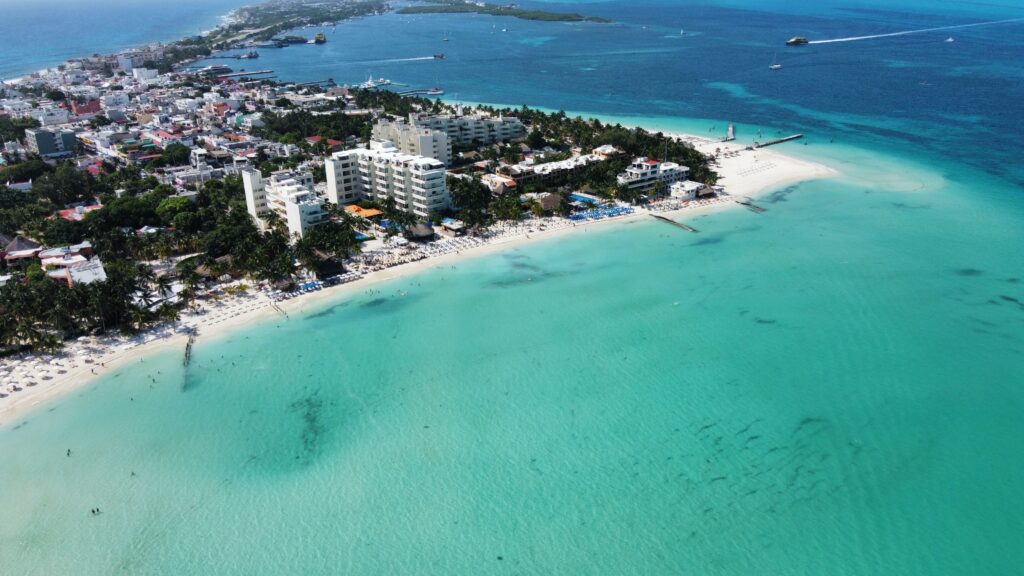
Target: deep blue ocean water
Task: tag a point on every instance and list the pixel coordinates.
(35, 34)
(919, 93)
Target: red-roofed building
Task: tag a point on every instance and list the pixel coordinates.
(88, 108)
(77, 213)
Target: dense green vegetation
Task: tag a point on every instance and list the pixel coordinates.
(269, 19)
(559, 130)
(460, 7)
(40, 313)
(332, 122)
(14, 128)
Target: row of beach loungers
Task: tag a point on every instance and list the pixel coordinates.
(601, 213)
(449, 245)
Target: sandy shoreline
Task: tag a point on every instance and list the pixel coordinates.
(744, 173)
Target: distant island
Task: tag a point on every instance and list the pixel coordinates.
(462, 7)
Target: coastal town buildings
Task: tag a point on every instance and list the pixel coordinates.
(644, 174)
(286, 194)
(417, 184)
(415, 140)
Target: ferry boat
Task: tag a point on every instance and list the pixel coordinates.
(796, 41)
(435, 92)
(950, 40)
(320, 38)
(215, 69)
(251, 55)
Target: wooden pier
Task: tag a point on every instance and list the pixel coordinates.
(779, 141)
(679, 225)
(188, 347)
(749, 204)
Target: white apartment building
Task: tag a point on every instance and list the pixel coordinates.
(415, 140)
(477, 128)
(51, 116)
(645, 173)
(143, 74)
(417, 184)
(114, 100)
(287, 194)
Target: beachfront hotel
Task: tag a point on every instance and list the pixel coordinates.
(287, 194)
(416, 183)
(415, 140)
(644, 174)
(473, 129)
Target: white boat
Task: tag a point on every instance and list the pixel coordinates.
(375, 83)
(950, 40)
(775, 65)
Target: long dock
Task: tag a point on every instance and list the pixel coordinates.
(329, 81)
(240, 74)
(416, 92)
(779, 141)
(679, 225)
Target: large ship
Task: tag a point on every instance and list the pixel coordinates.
(796, 41)
(320, 38)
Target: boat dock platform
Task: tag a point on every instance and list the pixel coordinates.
(779, 141)
(328, 83)
(679, 225)
(420, 92)
(241, 74)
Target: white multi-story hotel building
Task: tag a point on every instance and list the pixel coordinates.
(465, 130)
(645, 173)
(285, 193)
(416, 183)
(415, 140)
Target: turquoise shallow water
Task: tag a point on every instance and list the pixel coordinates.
(828, 387)
(831, 387)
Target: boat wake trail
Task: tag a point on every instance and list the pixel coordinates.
(905, 33)
(417, 59)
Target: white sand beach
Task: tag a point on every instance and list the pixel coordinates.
(27, 381)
